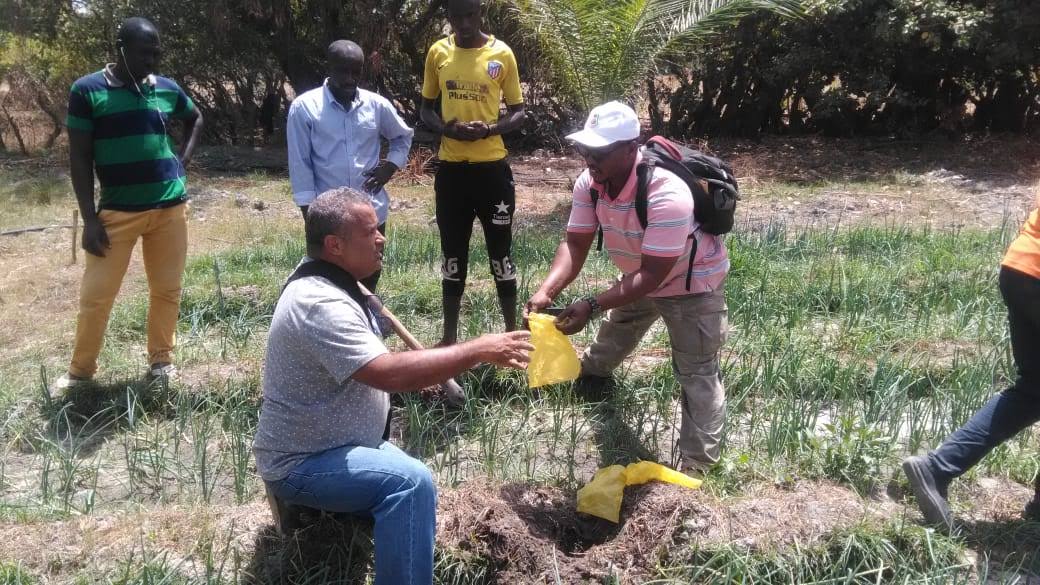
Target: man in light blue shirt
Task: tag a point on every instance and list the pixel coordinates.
(334, 137)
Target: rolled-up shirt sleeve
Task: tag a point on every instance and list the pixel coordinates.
(396, 132)
(583, 218)
(301, 168)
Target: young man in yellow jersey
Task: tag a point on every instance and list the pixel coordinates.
(1007, 413)
(472, 72)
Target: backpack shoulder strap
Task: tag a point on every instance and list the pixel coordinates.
(594, 195)
(693, 256)
(644, 174)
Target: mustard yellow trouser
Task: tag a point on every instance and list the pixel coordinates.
(164, 236)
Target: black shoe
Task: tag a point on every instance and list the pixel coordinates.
(592, 388)
(931, 498)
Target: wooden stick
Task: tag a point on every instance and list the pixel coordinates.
(75, 232)
(37, 228)
(399, 328)
(453, 392)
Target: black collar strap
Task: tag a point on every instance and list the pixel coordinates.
(341, 279)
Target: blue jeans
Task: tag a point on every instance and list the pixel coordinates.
(396, 490)
(1015, 408)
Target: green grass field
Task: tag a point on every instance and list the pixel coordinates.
(850, 346)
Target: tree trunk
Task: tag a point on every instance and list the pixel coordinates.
(656, 118)
(45, 104)
(15, 130)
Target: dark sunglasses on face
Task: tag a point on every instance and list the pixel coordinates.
(598, 154)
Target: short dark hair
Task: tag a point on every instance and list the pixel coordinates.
(331, 213)
(136, 28)
(451, 5)
(344, 49)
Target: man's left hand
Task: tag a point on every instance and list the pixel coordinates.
(379, 175)
(574, 318)
(480, 128)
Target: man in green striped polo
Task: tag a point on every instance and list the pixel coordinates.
(119, 123)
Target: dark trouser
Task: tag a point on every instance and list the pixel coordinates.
(370, 282)
(1012, 410)
(484, 191)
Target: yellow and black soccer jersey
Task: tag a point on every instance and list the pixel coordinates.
(471, 84)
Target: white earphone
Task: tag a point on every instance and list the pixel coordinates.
(140, 93)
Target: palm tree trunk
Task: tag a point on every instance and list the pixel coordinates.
(656, 118)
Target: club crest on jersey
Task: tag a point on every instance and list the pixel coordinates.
(494, 69)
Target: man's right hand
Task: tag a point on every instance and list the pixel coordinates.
(507, 350)
(537, 302)
(462, 131)
(95, 238)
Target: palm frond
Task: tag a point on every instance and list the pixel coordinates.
(636, 51)
(699, 22)
(603, 49)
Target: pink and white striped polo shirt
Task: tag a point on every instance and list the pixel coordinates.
(669, 223)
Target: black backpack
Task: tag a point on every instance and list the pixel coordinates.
(710, 179)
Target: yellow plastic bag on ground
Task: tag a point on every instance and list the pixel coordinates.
(645, 471)
(553, 359)
(601, 497)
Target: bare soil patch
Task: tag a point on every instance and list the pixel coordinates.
(533, 535)
(823, 181)
(528, 534)
(40, 291)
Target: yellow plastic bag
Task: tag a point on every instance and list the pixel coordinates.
(553, 359)
(601, 497)
(645, 471)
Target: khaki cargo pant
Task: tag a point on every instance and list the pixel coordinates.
(697, 326)
(164, 246)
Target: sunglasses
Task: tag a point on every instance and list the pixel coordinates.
(598, 154)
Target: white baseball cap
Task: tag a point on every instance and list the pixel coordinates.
(608, 123)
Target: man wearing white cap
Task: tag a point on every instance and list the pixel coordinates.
(654, 264)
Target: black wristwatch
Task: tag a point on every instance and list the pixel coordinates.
(594, 305)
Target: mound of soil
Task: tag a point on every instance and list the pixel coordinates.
(535, 535)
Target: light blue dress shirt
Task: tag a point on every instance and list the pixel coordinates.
(331, 146)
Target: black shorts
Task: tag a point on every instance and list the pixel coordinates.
(483, 191)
